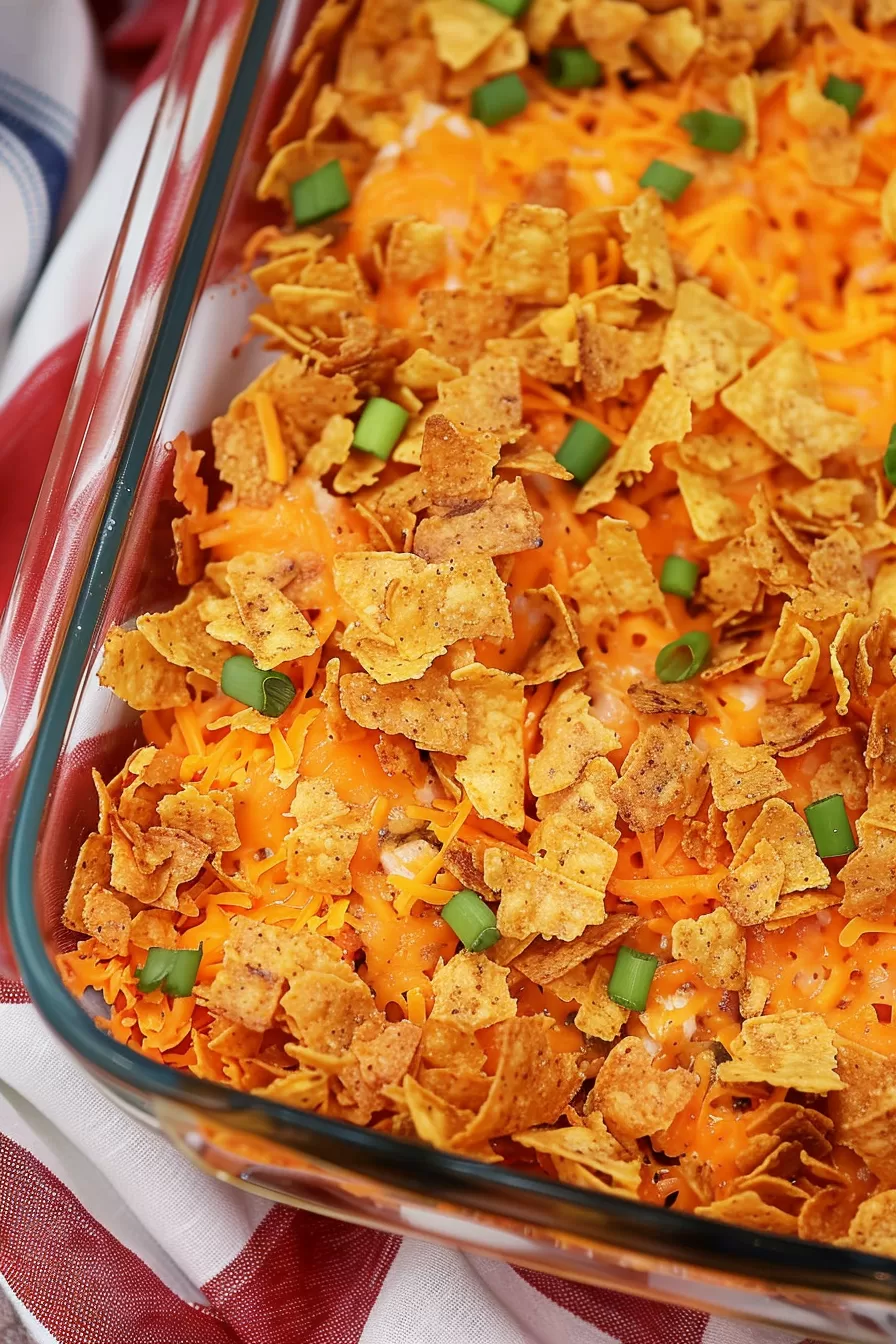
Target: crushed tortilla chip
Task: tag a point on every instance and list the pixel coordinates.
(415, 250)
(607, 27)
(780, 399)
(659, 776)
(180, 636)
(741, 94)
(537, 901)
(423, 371)
(610, 355)
(867, 875)
(460, 321)
(587, 802)
(258, 615)
(322, 844)
(258, 958)
(617, 578)
(571, 736)
(792, 842)
(789, 1049)
(748, 1209)
(833, 152)
(471, 992)
(456, 467)
(531, 1085)
(489, 397)
(873, 1228)
(558, 653)
(139, 674)
(461, 32)
(590, 1148)
(598, 1015)
(650, 696)
(754, 995)
(751, 891)
(427, 710)
(671, 40)
(665, 417)
(783, 725)
(635, 1097)
(526, 256)
(107, 918)
(714, 516)
(503, 524)
(716, 946)
(207, 816)
(562, 847)
(543, 20)
(708, 342)
(743, 775)
(493, 769)
(647, 250)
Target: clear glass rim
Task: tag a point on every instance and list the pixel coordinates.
(624, 1225)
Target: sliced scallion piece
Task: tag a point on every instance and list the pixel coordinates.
(890, 457)
(846, 92)
(667, 180)
(830, 827)
(713, 130)
(172, 969)
(268, 692)
(684, 657)
(499, 99)
(320, 194)
(472, 920)
(513, 8)
(583, 450)
(631, 978)
(679, 576)
(380, 426)
(573, 68)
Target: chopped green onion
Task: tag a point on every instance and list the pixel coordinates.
(843, 91)
(713, 130)
(631, 978)
(268, 692)
(380, 426)
(573, 68)
(320, 194)
(890, 458)
(472, 920)
(499, 99)
(667, 180)
(171, 969)
(679, 576)
(583, 450)
(684, 657)
(513, 8)
(830, 827)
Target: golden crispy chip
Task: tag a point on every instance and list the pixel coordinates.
(323, 1011)
(332, 448)
(415, 610)
(825, 1216)
(784, 725)
(864, 1111)
(318, 306)
(659, 775)
(321, 846)
(754, 995)
(844, 773)
(323, 32)
(780, 399)
(180, 636)
(589, 1146)
(635, 1098)
(731, 586)
(258, 615)
(647, 250)
(708, 342)
(748, 1209)
(836, 563)
(529, 457)
(423, 371)
(139, 674)
(792, 908)
(828, 500)
(716, 946)
(714, 516)
(509, 51)
(558, 653)
(607, 27)
(461, 32)
(445, 1044)
(543, 20)
(741, 94)
(869, 874)
(650, 696)
(456, 466)
(792, 842)
(743, 775)
(414, 251)
(107, 918)
(436, 1120)
(833, 153)
(153, 928)
(587, 803)
(460, 321)
(665, 417)
(488, 398)
(531, 1086)
(788, 1049)
(562, 847)
(704, 839)
(547, 959)
(750, 891)
(617, 578)
(207, 816)
(92, 868)
(571, 736)
(610, 355)
(471, 992)
(427, 711)
(598, 1014)
(258, 958)
(535, 900)
(493, 769)
(501, 525)
(527, 255)
(150, 867)
(671, 40)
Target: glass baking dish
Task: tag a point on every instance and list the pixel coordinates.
(164, 353)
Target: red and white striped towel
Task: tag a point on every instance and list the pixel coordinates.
(107, 1234)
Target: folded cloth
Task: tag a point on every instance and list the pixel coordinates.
(107, 1233)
